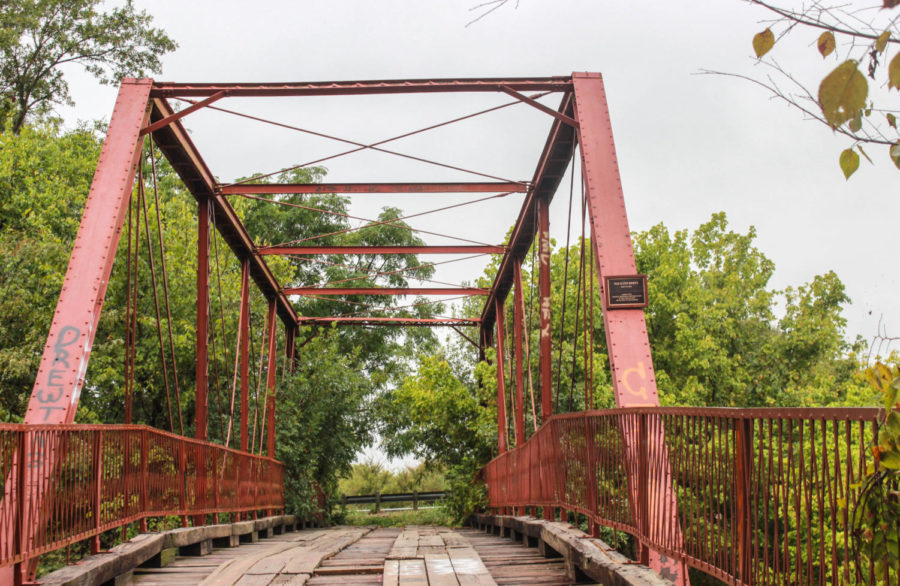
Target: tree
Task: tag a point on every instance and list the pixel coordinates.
(864, 40)
(38, 37)
(44, 180)
(322, 421)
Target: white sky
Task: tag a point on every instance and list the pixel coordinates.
(688, 145)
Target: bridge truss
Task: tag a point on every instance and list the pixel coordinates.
(580, 134)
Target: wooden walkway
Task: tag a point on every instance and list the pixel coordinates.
(434, 556)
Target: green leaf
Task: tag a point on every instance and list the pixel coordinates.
(843, 93)
(892, 120)
(882, 41)
(891, 460)
(890, 397)
(849, 162)
(763, 42)
(895, 154)
(894, 72)
(826, 43)
(893, 420)
(856, 124)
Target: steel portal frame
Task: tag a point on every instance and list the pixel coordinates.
(143, 108)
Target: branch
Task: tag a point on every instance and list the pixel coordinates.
(496, 4)
(779, 94)
(802, 19)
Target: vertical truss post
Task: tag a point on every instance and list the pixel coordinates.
(202, 343)
(270, 383)
(546, 349)
(518, 317)
(245, 354)
(202, 346)
(501, 380)
(290, 341)
(634, 381)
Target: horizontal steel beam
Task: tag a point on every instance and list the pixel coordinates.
(337, 88)
(384, 291)
(488, 187)
(311, 250)
(387, 321)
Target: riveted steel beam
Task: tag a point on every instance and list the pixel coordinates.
(467, 291)
(363, 188)
(339, 88)
(312, 250)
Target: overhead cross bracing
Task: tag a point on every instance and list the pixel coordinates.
(194, 172)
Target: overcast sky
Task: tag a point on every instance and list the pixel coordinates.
(689, 145)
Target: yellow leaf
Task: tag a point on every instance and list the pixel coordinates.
(856, 123)
(849, 162)
(895, 154)
(826, 43)
(882, 41)
(894, 72)
(843, 92)
(892, 120)
(763, 42)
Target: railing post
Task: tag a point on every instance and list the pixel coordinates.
(21, 544)
(742, 478)
(238, 499)
(182, 470)
(96, 496)
(254, 478)
(642, 488)
(592, 500)
(216, 481)
(144, 479)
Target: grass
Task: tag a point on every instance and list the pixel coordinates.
(425, 516)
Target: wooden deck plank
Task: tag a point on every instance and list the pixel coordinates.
(412, 573)
(391, 576)
(440, 570)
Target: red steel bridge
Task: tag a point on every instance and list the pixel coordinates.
(746, 495)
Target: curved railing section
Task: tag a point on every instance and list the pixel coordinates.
(106, 476)
(759, 494)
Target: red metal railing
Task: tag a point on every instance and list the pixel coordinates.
(758, 494)
(82, 480)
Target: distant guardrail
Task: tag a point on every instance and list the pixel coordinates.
(401, 497)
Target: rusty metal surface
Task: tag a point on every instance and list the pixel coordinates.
(362, 188)
(387, 321)
(758, 492)
(384, 291)
(106, 476)
(337, 88)
(310, 250)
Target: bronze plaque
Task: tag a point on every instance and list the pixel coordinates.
(626, 292)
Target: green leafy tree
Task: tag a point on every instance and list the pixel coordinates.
(322, 421)
(39, 37)
(44, 179)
